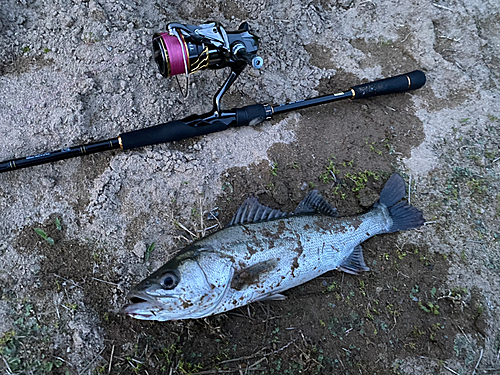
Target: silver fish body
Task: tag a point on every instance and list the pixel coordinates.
(254, 261)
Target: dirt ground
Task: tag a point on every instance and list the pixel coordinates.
(74, 72)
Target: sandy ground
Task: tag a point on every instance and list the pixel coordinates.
(74, 72)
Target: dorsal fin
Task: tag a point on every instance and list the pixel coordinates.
(251, 211)
(314, 202)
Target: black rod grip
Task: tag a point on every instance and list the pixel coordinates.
(250, 115)
(168, 132)
(401, 83)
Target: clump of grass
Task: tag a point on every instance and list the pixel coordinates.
(330, 175)
(148, 252)
(274, 169)
(44, 235)
(27, 331)
(477, 186)
(429, 307)
(360, 179)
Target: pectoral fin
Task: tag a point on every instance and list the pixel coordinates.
(354, 263)
(250, 275)
(271, 297)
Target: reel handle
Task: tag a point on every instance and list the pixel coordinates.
(401, 83)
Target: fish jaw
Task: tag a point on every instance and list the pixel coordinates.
(144, 307)
(142, 311)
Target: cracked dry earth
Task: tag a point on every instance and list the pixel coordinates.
(74, 72)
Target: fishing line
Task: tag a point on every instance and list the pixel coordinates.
(173, 53)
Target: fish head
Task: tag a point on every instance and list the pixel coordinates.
(189, 286)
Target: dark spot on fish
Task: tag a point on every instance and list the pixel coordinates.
(247, 276)
(368, 234)
(212, 286)
(321, 224)
(186, 304)
(300, 248)
(278, 259)
(246, 230)
(295, 265)
(307, 227)
(251, 249)
(281, 228)
(267, 233)
(335, 249)
(234, 302)
(354, 223)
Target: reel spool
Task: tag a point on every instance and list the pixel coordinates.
(186, 49)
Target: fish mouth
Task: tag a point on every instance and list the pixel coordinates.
(141, 307)
(135, 299)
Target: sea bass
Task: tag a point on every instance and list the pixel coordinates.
(263, 252)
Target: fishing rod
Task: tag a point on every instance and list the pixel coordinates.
(186, 49)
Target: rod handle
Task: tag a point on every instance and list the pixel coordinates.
(193, 126)
(168, 132)
(401, 83)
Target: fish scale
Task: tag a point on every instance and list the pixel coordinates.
(255, 259)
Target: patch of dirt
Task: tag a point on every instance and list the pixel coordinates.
(23, 64)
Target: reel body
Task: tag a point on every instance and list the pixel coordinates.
(186, 49)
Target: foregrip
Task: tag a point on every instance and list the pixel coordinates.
(250, 115)
(401, 83)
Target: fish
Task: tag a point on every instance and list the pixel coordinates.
(263, 252)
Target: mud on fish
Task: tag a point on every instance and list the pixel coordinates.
(263, 252)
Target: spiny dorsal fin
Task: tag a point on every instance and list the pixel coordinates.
(251, 211)
(354, 263)
(314, 202)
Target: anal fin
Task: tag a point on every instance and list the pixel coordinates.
(354, 263)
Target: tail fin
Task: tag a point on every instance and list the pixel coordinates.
(403, 215)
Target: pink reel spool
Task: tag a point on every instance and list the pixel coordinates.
(177, 54)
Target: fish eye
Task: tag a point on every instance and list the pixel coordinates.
(170, 281)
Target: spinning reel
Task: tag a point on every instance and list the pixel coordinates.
(186, 49)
